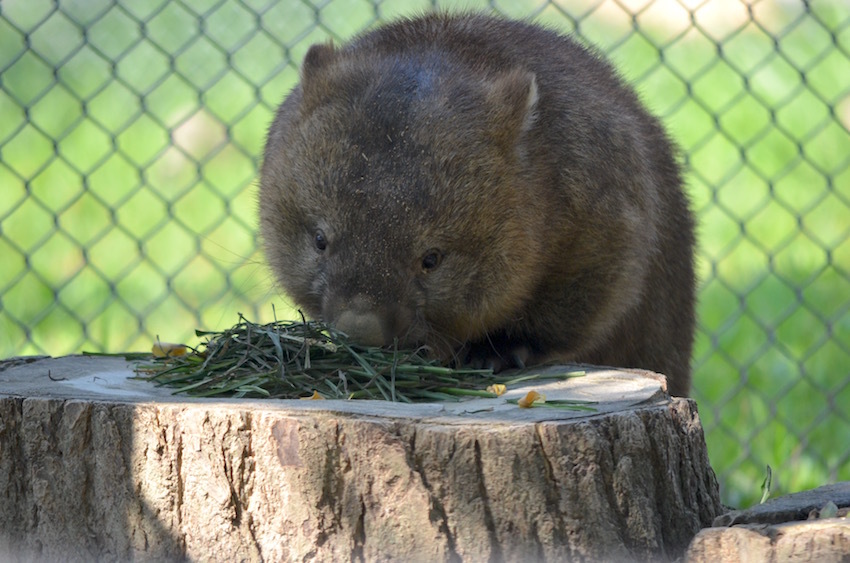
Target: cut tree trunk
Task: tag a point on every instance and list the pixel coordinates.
(94, 465)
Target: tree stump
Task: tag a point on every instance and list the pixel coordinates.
(94, 465)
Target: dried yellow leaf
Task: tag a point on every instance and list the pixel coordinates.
(168, 350)
(498, 388)
(530, 398)
(314, 397)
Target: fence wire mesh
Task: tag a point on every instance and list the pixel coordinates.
(130, 134)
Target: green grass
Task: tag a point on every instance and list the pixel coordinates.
(128, 186)
(304, 359)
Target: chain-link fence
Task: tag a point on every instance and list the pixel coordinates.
(130, 134)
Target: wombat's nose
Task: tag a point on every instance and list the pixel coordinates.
(361, 323)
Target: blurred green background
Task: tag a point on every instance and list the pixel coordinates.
(130, 135)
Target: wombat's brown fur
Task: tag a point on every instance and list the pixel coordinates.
(473, 183)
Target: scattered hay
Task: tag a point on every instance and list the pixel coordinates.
(309, 359)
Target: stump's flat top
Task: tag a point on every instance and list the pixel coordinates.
(111, 379)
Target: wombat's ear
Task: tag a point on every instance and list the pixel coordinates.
(512, 100)
(318, 57)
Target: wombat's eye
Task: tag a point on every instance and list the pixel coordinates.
(320, 241)
(431, 260)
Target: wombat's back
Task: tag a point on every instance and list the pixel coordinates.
(481, 182)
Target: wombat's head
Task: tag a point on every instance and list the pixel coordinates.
(391, 201)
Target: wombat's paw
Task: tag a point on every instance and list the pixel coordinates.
(489, 355)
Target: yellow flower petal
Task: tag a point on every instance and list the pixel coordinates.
(530, 398)
(498, 388)
(168, 350)
(314, 397)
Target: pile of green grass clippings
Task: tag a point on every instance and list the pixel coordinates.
(309, 359)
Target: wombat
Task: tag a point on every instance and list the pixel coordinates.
(486, 187)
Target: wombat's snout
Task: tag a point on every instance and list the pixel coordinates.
(363, 328)
(364, 323)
